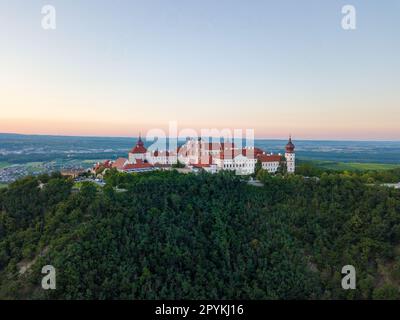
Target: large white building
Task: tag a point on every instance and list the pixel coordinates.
(198, 154)
(214, 157)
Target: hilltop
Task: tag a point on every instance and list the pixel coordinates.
(176, 236)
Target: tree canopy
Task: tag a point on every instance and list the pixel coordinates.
(165, 235)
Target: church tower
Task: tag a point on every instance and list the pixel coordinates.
(290, 156)
(138, 152)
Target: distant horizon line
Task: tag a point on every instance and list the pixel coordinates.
(136, 137)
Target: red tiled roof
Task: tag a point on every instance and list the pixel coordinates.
(255, 152)
(106, 164)
(140, 165)
(138, 149)
(119, 163)
(258, 151)
(233, 153)
(269, 157)
(201, 165)
(230, 153)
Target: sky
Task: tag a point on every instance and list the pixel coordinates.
(116, 68)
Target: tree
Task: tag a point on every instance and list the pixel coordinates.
(386, 292)
(257, 167)
(178, 164)
(263, 175)
(282, 169)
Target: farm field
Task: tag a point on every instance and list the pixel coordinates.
(353, 166)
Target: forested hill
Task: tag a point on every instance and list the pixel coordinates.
(174, 236)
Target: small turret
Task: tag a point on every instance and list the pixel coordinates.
(140, 142)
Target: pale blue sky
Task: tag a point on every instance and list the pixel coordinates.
(275, 66)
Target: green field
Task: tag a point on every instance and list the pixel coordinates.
(4, 164)
(352, 166)
(2, 185)
(34, 164)
(92, 161)
(32, 167)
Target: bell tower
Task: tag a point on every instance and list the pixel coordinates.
(290, 156)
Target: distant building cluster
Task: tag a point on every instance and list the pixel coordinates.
(198, 154)
(16, 171)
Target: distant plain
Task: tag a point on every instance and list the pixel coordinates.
(33, 154)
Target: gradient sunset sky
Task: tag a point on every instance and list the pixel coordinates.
(114, 68)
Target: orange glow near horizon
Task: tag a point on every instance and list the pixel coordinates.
(65, 111)
(127, 129)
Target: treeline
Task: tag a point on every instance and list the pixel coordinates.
(367, 176)
(165, 235)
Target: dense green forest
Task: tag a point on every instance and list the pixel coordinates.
(167, 235)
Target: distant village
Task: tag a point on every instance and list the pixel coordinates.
(17, 171)
(197, 155)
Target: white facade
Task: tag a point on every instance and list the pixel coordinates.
(161, 157)
(208, 168)
(290, 161)
(227, 157)
(241, 164)
(270, 166)
(133, 157)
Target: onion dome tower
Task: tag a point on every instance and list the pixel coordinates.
(290, 145)
(290, 156)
